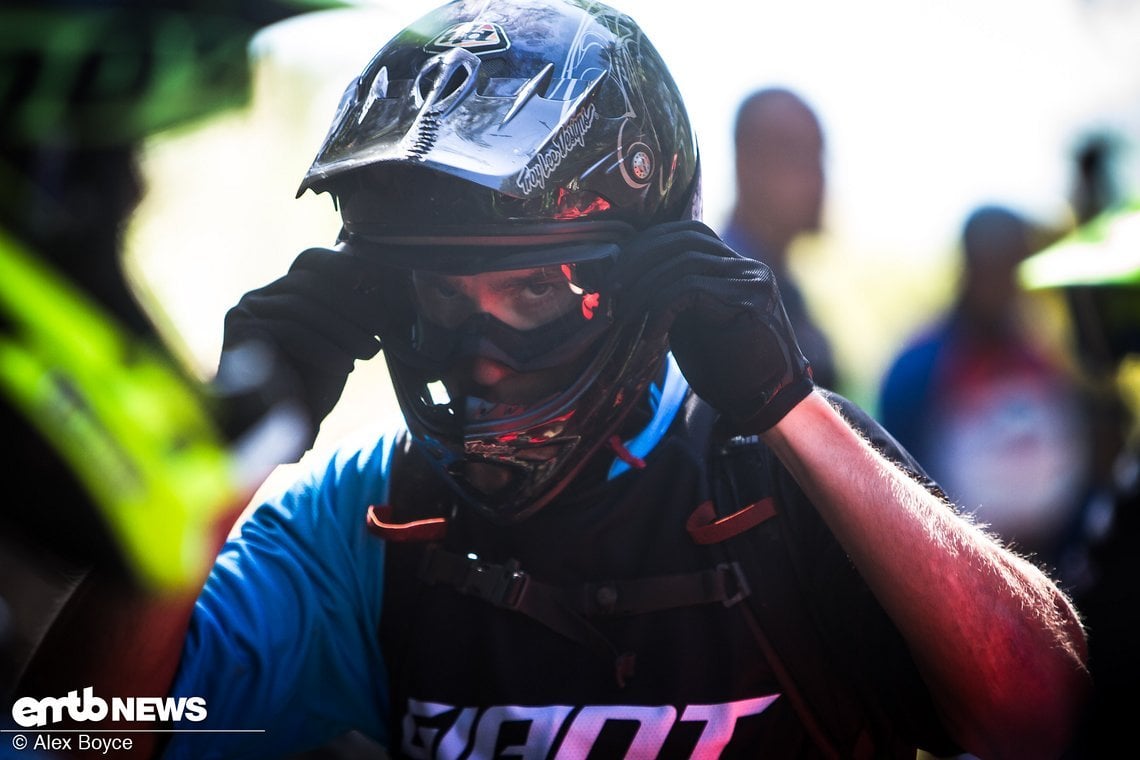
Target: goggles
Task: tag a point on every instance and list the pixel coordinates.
(527, 319)
(529, 308)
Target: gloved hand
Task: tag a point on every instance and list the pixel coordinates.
(727, 327)
(314, 322)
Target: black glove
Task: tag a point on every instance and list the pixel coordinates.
(727, 327)
(315, 322)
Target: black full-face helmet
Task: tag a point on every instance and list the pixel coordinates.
(531, 137)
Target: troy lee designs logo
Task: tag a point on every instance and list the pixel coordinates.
(435, 730)
(572, 136)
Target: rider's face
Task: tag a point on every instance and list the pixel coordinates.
(523, 299)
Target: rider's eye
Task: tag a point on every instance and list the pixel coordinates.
(444, 290)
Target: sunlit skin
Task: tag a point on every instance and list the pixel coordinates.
(523, 299)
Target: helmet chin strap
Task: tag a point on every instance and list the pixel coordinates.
(667, 402)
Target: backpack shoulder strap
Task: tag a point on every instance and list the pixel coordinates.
(419, 503)
(744, 515)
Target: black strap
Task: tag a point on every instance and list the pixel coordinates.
(508, 587)
(724, 583)
(565, 611)
(791, 690)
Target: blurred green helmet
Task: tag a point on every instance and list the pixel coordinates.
(128, 448)
(1097, 267)
(96, 74)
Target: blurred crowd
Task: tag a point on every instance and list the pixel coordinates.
(1030, 428)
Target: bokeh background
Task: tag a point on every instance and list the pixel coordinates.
(929, 109)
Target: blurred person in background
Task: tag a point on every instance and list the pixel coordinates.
(127, 465)
(780, 186)
(1097, 271)
(992, 413)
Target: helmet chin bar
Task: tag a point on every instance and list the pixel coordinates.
(514, 460)
(486, 477)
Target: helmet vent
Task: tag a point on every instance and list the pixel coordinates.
(454, 82)
(442, 83)
(541, 80)
(443, 88)
(378, 91)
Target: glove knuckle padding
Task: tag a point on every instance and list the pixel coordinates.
(727, 327)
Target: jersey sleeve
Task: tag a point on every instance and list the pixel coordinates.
(283, 643)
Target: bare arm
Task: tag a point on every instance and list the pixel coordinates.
(1000, 646)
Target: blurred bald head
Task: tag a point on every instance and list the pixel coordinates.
(779, 169)
(995, 239)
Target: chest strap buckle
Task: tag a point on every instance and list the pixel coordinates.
(500, 585)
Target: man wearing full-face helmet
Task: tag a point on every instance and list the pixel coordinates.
(621, 521)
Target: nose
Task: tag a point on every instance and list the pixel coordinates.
(484, 301)
(478, 299)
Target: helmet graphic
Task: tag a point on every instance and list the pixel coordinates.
(528, 139)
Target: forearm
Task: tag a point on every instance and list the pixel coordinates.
(1000, 646)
